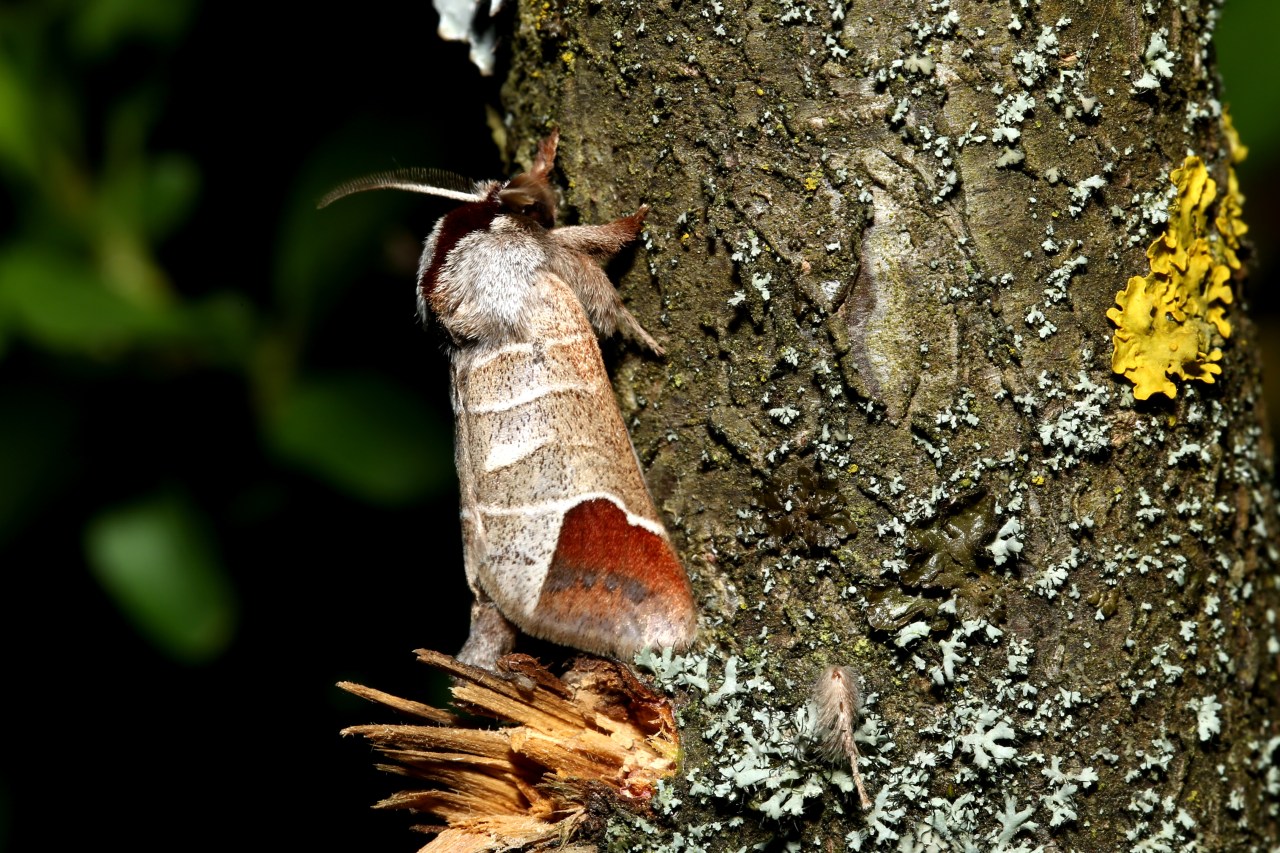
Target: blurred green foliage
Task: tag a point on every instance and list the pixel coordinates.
(226, 475)
(1243, 41)
(88, 297)
(363, 434)
(160, 565)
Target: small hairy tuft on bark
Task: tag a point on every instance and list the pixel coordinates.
(838, 700)
(595, 732)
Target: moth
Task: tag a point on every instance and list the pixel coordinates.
(837, 702)
(560, 536)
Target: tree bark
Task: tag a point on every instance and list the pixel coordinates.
(887, 433)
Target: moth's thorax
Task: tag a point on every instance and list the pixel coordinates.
(482, 287)
(451, 228)
(524, 197)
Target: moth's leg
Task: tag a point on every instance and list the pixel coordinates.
(599, 298)
(632, 325)
(578, 250)
(601, 241)
(492, 636)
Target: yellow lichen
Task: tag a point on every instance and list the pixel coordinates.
(1229, 222)
(1171, 321)
(1238, 149)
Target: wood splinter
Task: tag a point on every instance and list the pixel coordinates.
(597, 730)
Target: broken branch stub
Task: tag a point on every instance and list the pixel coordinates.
(597, 730)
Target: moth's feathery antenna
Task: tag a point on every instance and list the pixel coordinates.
(429, 181)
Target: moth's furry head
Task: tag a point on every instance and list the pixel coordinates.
(531, 196)
(530, 193)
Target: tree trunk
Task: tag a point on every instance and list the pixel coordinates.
(888, 434)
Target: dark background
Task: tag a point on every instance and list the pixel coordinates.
(226, 482)
(226, 473)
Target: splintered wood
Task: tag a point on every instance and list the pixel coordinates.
(597, 731)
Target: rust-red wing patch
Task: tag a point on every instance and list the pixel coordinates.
(615, 587)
